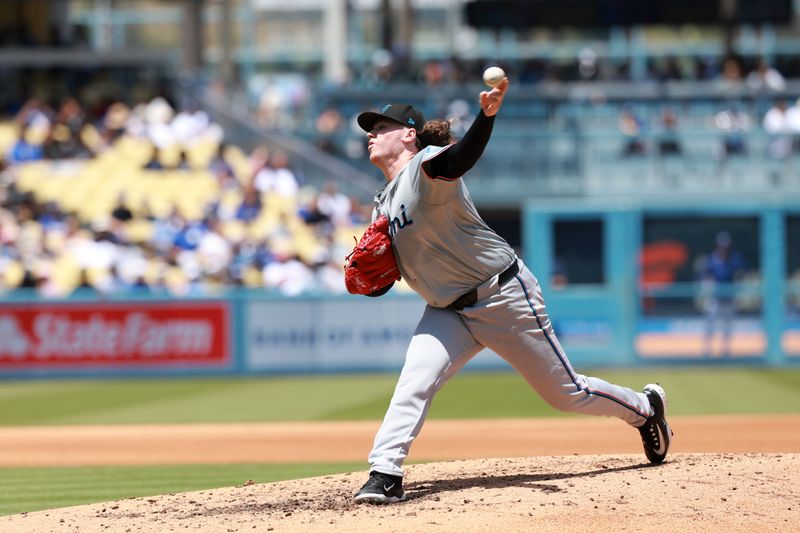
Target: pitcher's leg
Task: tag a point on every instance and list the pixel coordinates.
(525, 338)
(441, 346)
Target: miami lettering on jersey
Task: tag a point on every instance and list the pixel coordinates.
(398, 223)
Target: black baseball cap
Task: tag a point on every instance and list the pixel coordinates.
(405, 114)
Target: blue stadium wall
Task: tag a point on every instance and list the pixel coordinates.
(640, 311)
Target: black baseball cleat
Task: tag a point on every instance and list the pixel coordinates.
(381, 488)
(656, 434)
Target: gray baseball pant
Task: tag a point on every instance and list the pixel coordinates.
(512, 321)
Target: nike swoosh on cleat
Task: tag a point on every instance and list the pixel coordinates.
(387, 488)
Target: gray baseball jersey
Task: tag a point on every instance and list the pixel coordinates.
(444, 248)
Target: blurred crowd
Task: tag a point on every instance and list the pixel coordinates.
(734, 123)
(585, 65)
(151, 198)
(746, 88)
(113, 197)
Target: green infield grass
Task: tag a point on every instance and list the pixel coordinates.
(692, 391)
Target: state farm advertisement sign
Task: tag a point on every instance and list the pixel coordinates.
(114, 334)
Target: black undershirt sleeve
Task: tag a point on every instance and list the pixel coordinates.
(462, 156)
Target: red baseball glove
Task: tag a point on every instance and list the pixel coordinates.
(371, 266)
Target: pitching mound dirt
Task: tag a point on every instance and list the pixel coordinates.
(691, 492)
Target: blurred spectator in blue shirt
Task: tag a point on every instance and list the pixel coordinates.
(25, 149)
(250, 207)
(188, 237)
(722, 267)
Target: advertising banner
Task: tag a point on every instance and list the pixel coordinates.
(335, 335)
(107, 335)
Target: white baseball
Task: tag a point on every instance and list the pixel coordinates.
(493, 75)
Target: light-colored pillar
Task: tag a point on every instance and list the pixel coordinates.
(335, 41)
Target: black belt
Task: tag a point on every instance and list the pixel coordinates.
(465, 300)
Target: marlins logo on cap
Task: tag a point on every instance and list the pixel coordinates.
(405, 114)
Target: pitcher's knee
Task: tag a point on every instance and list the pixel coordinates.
(569, 401)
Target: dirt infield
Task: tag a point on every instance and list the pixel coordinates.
(586, 474)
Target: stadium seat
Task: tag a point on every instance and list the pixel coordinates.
(8, 136)
(13, 273)
(140, 230)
